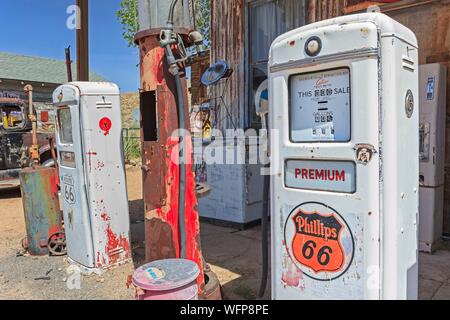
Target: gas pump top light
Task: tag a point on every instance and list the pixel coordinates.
(313, 46)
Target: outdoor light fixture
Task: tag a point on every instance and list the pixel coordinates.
(313, 46)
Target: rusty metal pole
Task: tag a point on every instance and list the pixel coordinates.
(161, 175)
(68, 65)
(83, 41)
(34, 149)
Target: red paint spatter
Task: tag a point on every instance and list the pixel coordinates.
(53, 229)
(292, 275)
(115, 242)
(55, 221)
(54, 182)
(90, 154)
(105, 217)
(193, 249)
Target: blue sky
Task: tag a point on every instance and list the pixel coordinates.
(38, 28)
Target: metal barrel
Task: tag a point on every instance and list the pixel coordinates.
(41, 207)
(170, 279)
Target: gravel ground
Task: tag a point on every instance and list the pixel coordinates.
(27, 277)
(234, 256)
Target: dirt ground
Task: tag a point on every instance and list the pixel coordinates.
(234, 255)
(27, 277)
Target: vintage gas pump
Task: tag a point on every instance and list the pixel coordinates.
(433, 98)
(92, 174)
(171, 218)
(344, 99)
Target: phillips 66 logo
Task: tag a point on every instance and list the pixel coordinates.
(319, 241)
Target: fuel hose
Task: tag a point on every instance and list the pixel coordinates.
(265, 236)
(182, 142)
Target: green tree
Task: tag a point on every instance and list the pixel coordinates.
(128, 17)
(202, 19)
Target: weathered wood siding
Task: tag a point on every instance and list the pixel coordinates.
(227, 37)
(324, 9)
(199, 92)
(229, 30)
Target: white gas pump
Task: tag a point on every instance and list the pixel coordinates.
(92, 174)
(433, 102)
(344, 194)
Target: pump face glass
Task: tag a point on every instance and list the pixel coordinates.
(320, 104)
(65, 125)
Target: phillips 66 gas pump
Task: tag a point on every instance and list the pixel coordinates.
(92, 174)
(344, 97)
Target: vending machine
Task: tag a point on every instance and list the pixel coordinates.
(344, 116)
(92, 174)
(433, 101)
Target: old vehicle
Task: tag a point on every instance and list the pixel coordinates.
(15, 139)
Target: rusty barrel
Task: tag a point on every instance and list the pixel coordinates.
(40, 206)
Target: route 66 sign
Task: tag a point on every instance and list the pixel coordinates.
(319, 241)
(68, 190)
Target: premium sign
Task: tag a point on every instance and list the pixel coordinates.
(337, 176)
(320, 106)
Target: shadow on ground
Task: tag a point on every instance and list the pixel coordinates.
(10, 193)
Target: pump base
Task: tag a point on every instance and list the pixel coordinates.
(87, 271)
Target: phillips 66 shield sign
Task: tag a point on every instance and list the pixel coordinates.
(319, 241)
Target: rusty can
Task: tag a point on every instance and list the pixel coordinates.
(41, 207)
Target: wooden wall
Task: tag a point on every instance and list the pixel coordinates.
(229, 42)
(199, 92)
(324, 9)
(227, 38)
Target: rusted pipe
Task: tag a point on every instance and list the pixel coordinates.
(171, 12)
(395, 6)
(68, 65)
(83, 41)
(406, 6)
(34, 149)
